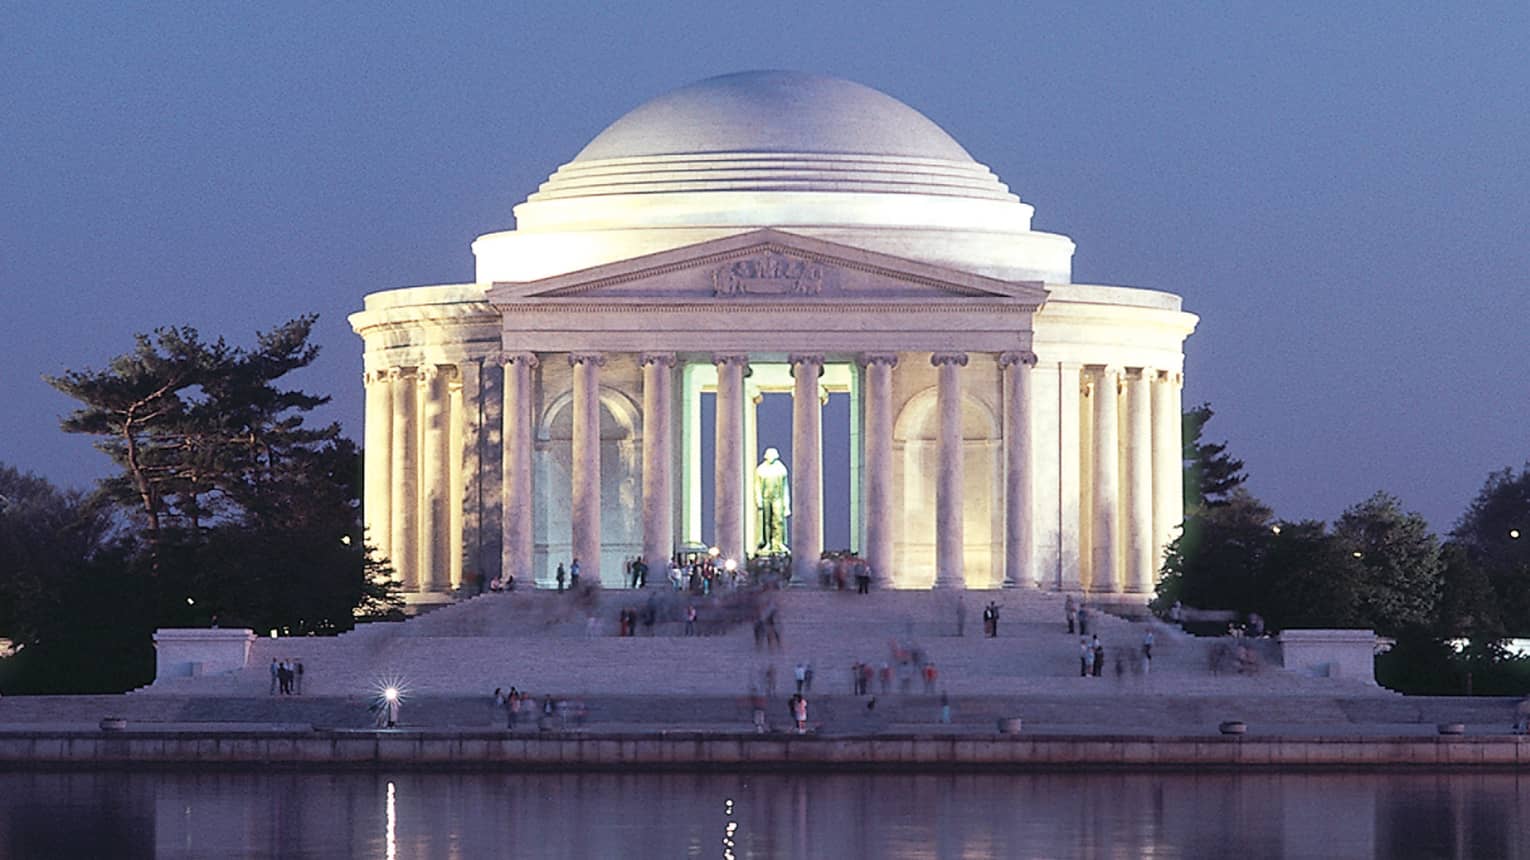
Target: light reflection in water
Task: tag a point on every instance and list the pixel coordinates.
(175, 815)
(392, 824)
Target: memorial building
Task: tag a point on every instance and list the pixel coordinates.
(765, 233)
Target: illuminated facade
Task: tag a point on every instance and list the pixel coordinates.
(774, 232)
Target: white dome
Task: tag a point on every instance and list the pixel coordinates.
(788, 150)
(774, 112)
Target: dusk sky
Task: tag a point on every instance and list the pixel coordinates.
(1341, 192)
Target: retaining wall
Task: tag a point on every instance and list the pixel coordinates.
(564, 751)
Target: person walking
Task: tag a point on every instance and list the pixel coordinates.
(561, 576)
(1085, 655)
(1099, 657)
(276, 671)
(1147, 651)
(1070, 611)
(573, 575)
(690, 619)
(993, 619)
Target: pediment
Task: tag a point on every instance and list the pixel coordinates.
(768, 266)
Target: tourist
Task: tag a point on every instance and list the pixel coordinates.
(800, 673)
(1085, 655)
(987, 618)
(1147, 651)
(690, 619)
(757, 704)
(993, 620)
(1099, 656)
(573, 575)
(1083, 619)
(929, 678)
(807, 679)
(1068, 610)
(275, 674)
(561, 576)
(499, 702)
(800, 712)
(945, 709)
(298, 676)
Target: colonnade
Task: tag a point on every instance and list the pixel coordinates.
(460, 495)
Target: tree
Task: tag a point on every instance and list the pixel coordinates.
(1216, 560)
(237, 510)
(1494, 539)
(139, 408)
(74, 621)
(1399, 563)
(1211, 474)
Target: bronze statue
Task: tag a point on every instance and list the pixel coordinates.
(773, 501)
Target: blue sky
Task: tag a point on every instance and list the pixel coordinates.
(1340, 191)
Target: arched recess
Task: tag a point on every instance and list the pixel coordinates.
(621, 446)
(916, 433)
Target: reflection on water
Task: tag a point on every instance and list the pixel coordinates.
(407, 815)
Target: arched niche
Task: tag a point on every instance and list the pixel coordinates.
(621, 485)
(916, 434)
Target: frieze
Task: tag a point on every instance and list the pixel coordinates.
(768, 274)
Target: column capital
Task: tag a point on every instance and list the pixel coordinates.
(1138, 373)
(805, 358)
(940, 359)
(397, 373)
(729, 358)
(667, 359)
(529, 359)
(598, 359)
(867, 359)
(1023, 357)
(430, 372)
(381, 375)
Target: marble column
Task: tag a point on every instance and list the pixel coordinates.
(658, 465)
(950, 545)
(378, 456)
(435, 480)
(489, 498)
(728, 462)
(1139, 536)
(1105, 556)
(1168, 461)
(879, 465)
(805, 533)
(404, 517)
(519, 432)
(585, 485)
(1019, 466)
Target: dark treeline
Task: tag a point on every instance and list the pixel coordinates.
(225, 508)
(1377, 566)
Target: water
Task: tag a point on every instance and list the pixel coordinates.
(409, 815)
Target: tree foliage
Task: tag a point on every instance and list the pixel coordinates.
(231, 509)
(1493, 542)
(1211, 474)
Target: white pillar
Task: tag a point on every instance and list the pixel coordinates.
(519, 424)
(1105, 555)
(1140, 538)
(488, 496)
(378, 480)
(806, 529)
(436, 482)
(1070, 486)
(950, 547)
(404, 517)
(879, 465)
(1168, 461)
(1019, 495)
(658, 464)
(752, 398)
(728, 465)
(585, 488)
